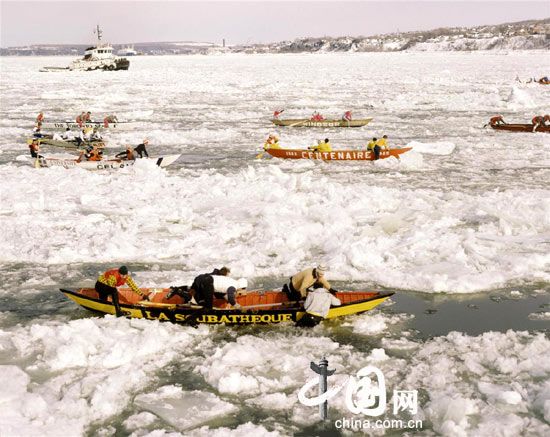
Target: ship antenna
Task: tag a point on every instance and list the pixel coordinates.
(99, 32)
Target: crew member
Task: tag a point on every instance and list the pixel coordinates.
(68, 135)
(346, 116)
(37, 131)
(272, 142)
(381, 144)
(277, 113)
(317, 117)
(94, 154)
(317, 306)
(34, 148)
(141, 150)
(322, 146)
(371, 144)
(80, 119)
(538, 120)
(496, 120)
(298, 284)
(109, 119)
(202, 288)
(39, 118)
(127, 154)
(108, 282)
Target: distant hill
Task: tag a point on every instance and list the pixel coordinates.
(523, 35)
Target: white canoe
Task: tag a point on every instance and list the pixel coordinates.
(109, 163)
(74, 125)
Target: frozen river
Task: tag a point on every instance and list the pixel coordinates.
(460, 228)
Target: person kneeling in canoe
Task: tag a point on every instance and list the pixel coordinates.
(108, 282)
(322, 146)
(497, 120)
(381, 144)
(272, 142)
(317, 306)
(539, 120)
(298, 285)
(202, 289)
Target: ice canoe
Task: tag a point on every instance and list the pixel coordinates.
(520, 127)
(104, 164)
(119, 125)
(305, 122)
(257, 307)
(72, 144)
(337, 155)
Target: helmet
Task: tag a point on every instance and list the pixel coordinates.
(123, 270)
(321, 269)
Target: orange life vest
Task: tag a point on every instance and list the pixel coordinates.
(537, 119)
(94, 156)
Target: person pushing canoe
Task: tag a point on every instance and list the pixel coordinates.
(298, 285)
(108, 282)
(202, 289)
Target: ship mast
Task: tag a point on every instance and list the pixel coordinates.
(99, 33)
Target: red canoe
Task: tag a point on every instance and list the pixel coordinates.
(520, 127)
(337, 155)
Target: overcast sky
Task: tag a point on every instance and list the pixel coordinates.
(71, 22)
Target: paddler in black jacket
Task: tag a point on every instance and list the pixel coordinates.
(202, 288)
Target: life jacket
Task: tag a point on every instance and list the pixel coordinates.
(34, 147)
(537, 119)
(347, 115)
(104, 278)
(94, 156)
(371, 144)
(324, 147)
(39, 118)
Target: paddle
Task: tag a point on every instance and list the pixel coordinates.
(297, 123)
(260, 155)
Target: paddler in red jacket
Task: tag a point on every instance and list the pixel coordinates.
(495, 121)
(538, 120)
(108, 282)
(39, 119)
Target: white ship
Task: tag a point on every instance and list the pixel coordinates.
(98, 57)
(127, 51)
